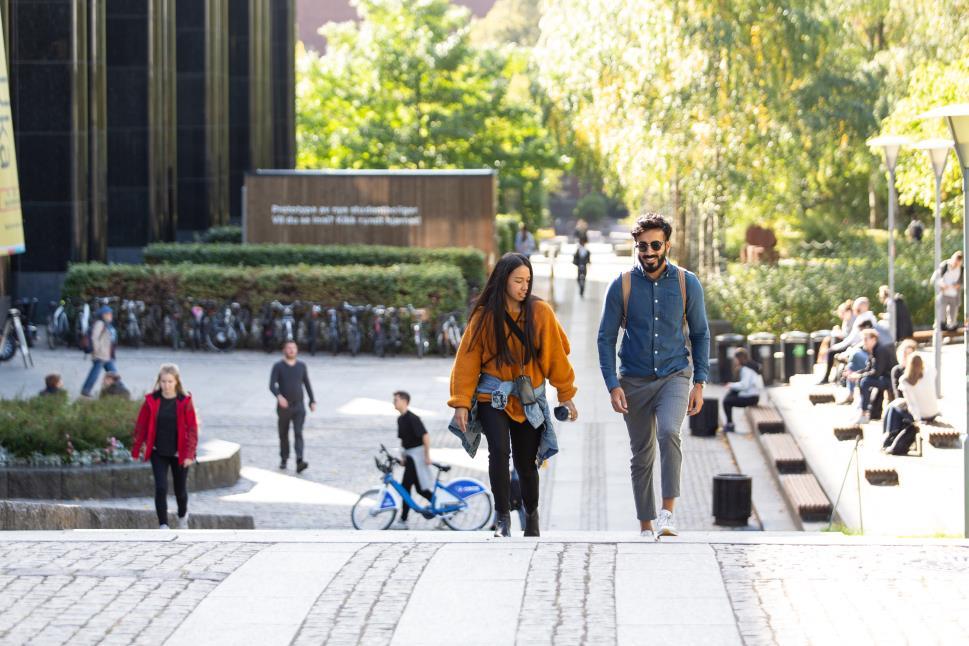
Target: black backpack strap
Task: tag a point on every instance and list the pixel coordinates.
(518, 332)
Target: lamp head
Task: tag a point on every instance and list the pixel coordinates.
(938, 152)
(890, 145)
(956, 116)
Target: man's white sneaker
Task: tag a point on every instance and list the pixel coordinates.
(647, 534)
(163, 526)
(400, 523)
(862, 419)
(181, 522)
(664, 524)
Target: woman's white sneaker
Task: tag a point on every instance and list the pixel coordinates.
(648, 534)
(664, 524)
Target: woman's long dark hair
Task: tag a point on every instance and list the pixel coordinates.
(491, 305)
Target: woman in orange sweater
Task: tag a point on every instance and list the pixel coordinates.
(512, 345)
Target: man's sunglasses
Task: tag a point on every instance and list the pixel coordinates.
(655, 245)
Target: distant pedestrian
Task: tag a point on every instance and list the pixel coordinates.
(288, 379)
(915, 229)
(581, 260)
(103, 340)
(904, 329)
(948, 288)
(744, 392)
(112, 387)
(524, 241)
(513, 348)
(660, 307)
(53, 385)
(167, 430)
(416, 443)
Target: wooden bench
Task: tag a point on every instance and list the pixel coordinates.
(821, 397)
(942, 438)
(882, 477)
(925, 336)
(852, 432)
(806, 497)
(784, 452)
(765, 419)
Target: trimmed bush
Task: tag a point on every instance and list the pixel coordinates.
(40, 426)
(439, 288)
(470, 261)
(229, 234)
(506, 227)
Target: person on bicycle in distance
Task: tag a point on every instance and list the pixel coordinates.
(513, 344)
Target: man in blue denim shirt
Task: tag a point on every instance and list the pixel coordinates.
(653, 389)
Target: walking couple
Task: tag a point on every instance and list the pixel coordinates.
(514, 343)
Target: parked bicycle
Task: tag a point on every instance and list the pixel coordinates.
(13, 338)
(131, 327)
(333, 331)
(449, 337)
(285, 323)
(395, 341)
(378, 330)
(354, 329)
(222, 331)
(196, 324)
(418, 330)
(311, 325)
(58, 324)
(463, 504)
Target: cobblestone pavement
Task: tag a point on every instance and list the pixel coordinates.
(582, 588)
(107, 593)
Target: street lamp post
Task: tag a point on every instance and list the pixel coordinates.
(938, 152)
(890, 145)
(957, 118)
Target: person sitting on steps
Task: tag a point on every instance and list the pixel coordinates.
(746, 391)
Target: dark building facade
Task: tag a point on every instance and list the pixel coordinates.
(136, 120)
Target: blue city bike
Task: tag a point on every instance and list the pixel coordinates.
(463, 504)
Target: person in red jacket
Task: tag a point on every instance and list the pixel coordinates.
(168, 430)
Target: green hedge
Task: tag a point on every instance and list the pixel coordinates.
(470, 261)
(228, 234)
(506, 227)
(434, 286)
(40, 426)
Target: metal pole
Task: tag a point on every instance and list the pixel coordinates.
(891, 249)
(937, 330)
(965, 341)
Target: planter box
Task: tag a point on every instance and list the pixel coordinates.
(218, 466)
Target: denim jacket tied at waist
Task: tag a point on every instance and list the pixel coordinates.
(537, 414)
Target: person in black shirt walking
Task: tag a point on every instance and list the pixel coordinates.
(417, 451)
(286, 382)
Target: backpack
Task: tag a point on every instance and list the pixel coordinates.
(901, 431)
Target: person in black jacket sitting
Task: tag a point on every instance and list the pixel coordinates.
(875, 375)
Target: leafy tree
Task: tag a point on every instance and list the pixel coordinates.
(406, 88)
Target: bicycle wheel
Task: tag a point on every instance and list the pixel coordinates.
(367, 513)
(474, 515)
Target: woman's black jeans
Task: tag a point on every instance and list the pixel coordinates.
(732, 400)
(518, 439)
(159, 466)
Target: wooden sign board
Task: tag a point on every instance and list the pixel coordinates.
(447, 208)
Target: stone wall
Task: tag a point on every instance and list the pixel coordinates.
(25, 516)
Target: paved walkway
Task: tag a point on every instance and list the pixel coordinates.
(585, 487)
(419, 588)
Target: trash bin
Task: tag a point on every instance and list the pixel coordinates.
(731, 499)
(727, 344)
(794, 345)
(817, 337)
(763, 345)
(706, 422)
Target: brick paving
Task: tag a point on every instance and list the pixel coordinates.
(107, 593)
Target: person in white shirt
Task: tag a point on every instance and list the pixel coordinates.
(862, 310)
(917, 387)
(524, 241)
(948, 285)
(746, 391)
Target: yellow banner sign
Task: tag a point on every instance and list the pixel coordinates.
(11, 217)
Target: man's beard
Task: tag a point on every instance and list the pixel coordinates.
(654, 264)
